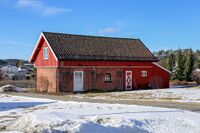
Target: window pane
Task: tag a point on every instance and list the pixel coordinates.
(45, 53)
(143, 73)
(107, 77)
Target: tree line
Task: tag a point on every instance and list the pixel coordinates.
(180, 62)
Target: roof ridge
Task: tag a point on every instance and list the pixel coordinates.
(93, 36)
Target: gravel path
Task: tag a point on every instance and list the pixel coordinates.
(191, 106)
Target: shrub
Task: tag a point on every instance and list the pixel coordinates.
(196, 76)
(178, 82)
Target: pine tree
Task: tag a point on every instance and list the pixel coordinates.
(197, 59)
(179, 73)
(189, 64)
(171, 62)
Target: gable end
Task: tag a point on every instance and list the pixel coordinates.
(35, 51)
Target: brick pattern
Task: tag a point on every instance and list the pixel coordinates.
(47, 80)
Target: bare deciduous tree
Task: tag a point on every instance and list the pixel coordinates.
(196, 76)
(1, 75)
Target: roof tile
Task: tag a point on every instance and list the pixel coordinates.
(69, 46)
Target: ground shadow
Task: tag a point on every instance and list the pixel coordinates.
(139, 112)
(92, 127)
(4, 106)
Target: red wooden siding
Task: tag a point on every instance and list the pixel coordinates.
(158, 74)
(39, 61)
(94, 77)
(94, 74)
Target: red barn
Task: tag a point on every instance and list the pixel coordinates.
(69, 63)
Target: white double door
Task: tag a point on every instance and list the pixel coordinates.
(78, 81)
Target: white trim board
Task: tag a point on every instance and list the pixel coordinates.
(155, 63)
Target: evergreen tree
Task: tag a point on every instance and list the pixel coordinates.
(179, 73)
(197, 59)
(189, 64)
(171, 61)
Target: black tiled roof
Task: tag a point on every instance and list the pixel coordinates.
(80, 47)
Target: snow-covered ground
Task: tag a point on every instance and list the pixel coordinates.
(23, 114)
(191, 94)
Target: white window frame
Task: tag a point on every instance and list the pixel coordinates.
(144, 73)
(45, 57)
(108, 77)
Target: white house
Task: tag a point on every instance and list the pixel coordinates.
(9, 69)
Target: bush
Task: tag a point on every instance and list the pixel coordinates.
(196, 76)
(178, 82)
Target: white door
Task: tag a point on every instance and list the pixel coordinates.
(78, 81)
(128, 80)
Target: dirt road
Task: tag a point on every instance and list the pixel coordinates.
(191, 106)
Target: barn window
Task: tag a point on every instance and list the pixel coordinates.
(45, 53)
(107, 77)
(143, 73)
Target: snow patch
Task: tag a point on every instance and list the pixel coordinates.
(50, 116)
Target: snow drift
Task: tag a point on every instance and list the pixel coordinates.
(51, 116)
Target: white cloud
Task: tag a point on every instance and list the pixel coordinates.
(40, 7)
(54, 10)
(108, 30)
(33, 4)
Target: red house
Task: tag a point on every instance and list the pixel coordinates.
(69, 63)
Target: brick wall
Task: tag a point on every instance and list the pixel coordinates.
(46, 79)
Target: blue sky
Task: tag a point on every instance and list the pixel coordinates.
(160, 24)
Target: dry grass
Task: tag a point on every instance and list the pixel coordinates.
(8, 116)
(32, 109)
(167, 100)
(19, 83)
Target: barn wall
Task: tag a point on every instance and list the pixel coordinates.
(93, 79)
(156, 78)
(139, 82)
(50, 79)
(39, 61)
(47, 79)
(94, 76)
(160, 78)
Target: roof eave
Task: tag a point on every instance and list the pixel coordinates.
(31, 60)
